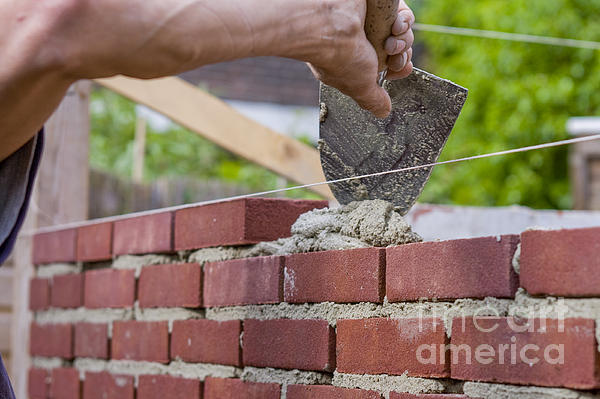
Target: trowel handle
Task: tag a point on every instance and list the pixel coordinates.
(381, 15)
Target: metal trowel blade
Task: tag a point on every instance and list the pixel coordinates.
(353, 142)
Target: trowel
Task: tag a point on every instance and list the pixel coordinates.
(353, 142)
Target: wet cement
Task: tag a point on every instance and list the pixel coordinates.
(356, 225)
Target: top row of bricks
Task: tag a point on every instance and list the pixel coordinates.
(239, 222)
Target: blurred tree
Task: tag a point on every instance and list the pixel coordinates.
(519, 94)
(170, 153)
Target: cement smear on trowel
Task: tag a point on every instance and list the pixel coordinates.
(356, 225)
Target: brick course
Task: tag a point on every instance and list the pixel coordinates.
(336, 276)
(163, 387)
(243, 281)
(140, 340)
(240, 222)
(37, 383)
(207, 341)
(51, 340)
(328, 392)
(56, 246)
(94, 242)
(390, 346)
(103, 385)
(231, 388)
(452, 269)
(109, 288)
(67, 291)
(170, 285)
(144, 234)
(65, 384)
(579, 369)
(91, 340)
(39, 294)
(561, 262)
(289, 344)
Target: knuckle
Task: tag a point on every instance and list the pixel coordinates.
(410, 38)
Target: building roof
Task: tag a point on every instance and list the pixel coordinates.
(260, 79)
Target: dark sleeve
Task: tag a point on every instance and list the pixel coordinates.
(6, 391)
(17, 174)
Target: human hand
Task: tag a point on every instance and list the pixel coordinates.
(399, 45)
(348, 61)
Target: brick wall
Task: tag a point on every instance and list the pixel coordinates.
(145, 307)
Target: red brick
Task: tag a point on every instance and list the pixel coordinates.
(289, 344)
(230, 388)
(162, 386)
(139, 340)
(561, 262)
(243, 281)
(51, 340)
(103, 385)
(390, 346)
(336, 276)
(39, 294)
(91, 340)
(109, 288)
(328, 392)
(170, 285)
(67, 291)
(144, 234)
(581, 358)
(38, 384)
(396, 395)
(452, 269)
(65, 384)
(56, 246)
(240, 222)
(207, 341)
(94, 242)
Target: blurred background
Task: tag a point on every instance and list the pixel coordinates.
(520, 94)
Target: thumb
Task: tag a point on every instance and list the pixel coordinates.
(376, 100)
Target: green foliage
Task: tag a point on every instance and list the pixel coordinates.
(176, 152)
(519, 94)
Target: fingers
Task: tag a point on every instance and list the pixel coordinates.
(365, 91)
(375, 99)
(407, 70)
(401, 72)
(399, 45)
(396, 44)
(396, 63)
(404, 21)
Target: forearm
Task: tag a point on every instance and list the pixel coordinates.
(49, 45)
(25, 106)
(147, 39)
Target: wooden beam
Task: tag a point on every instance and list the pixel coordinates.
(5, 319)
(215, 120)
(6, 291)
(60, 196)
